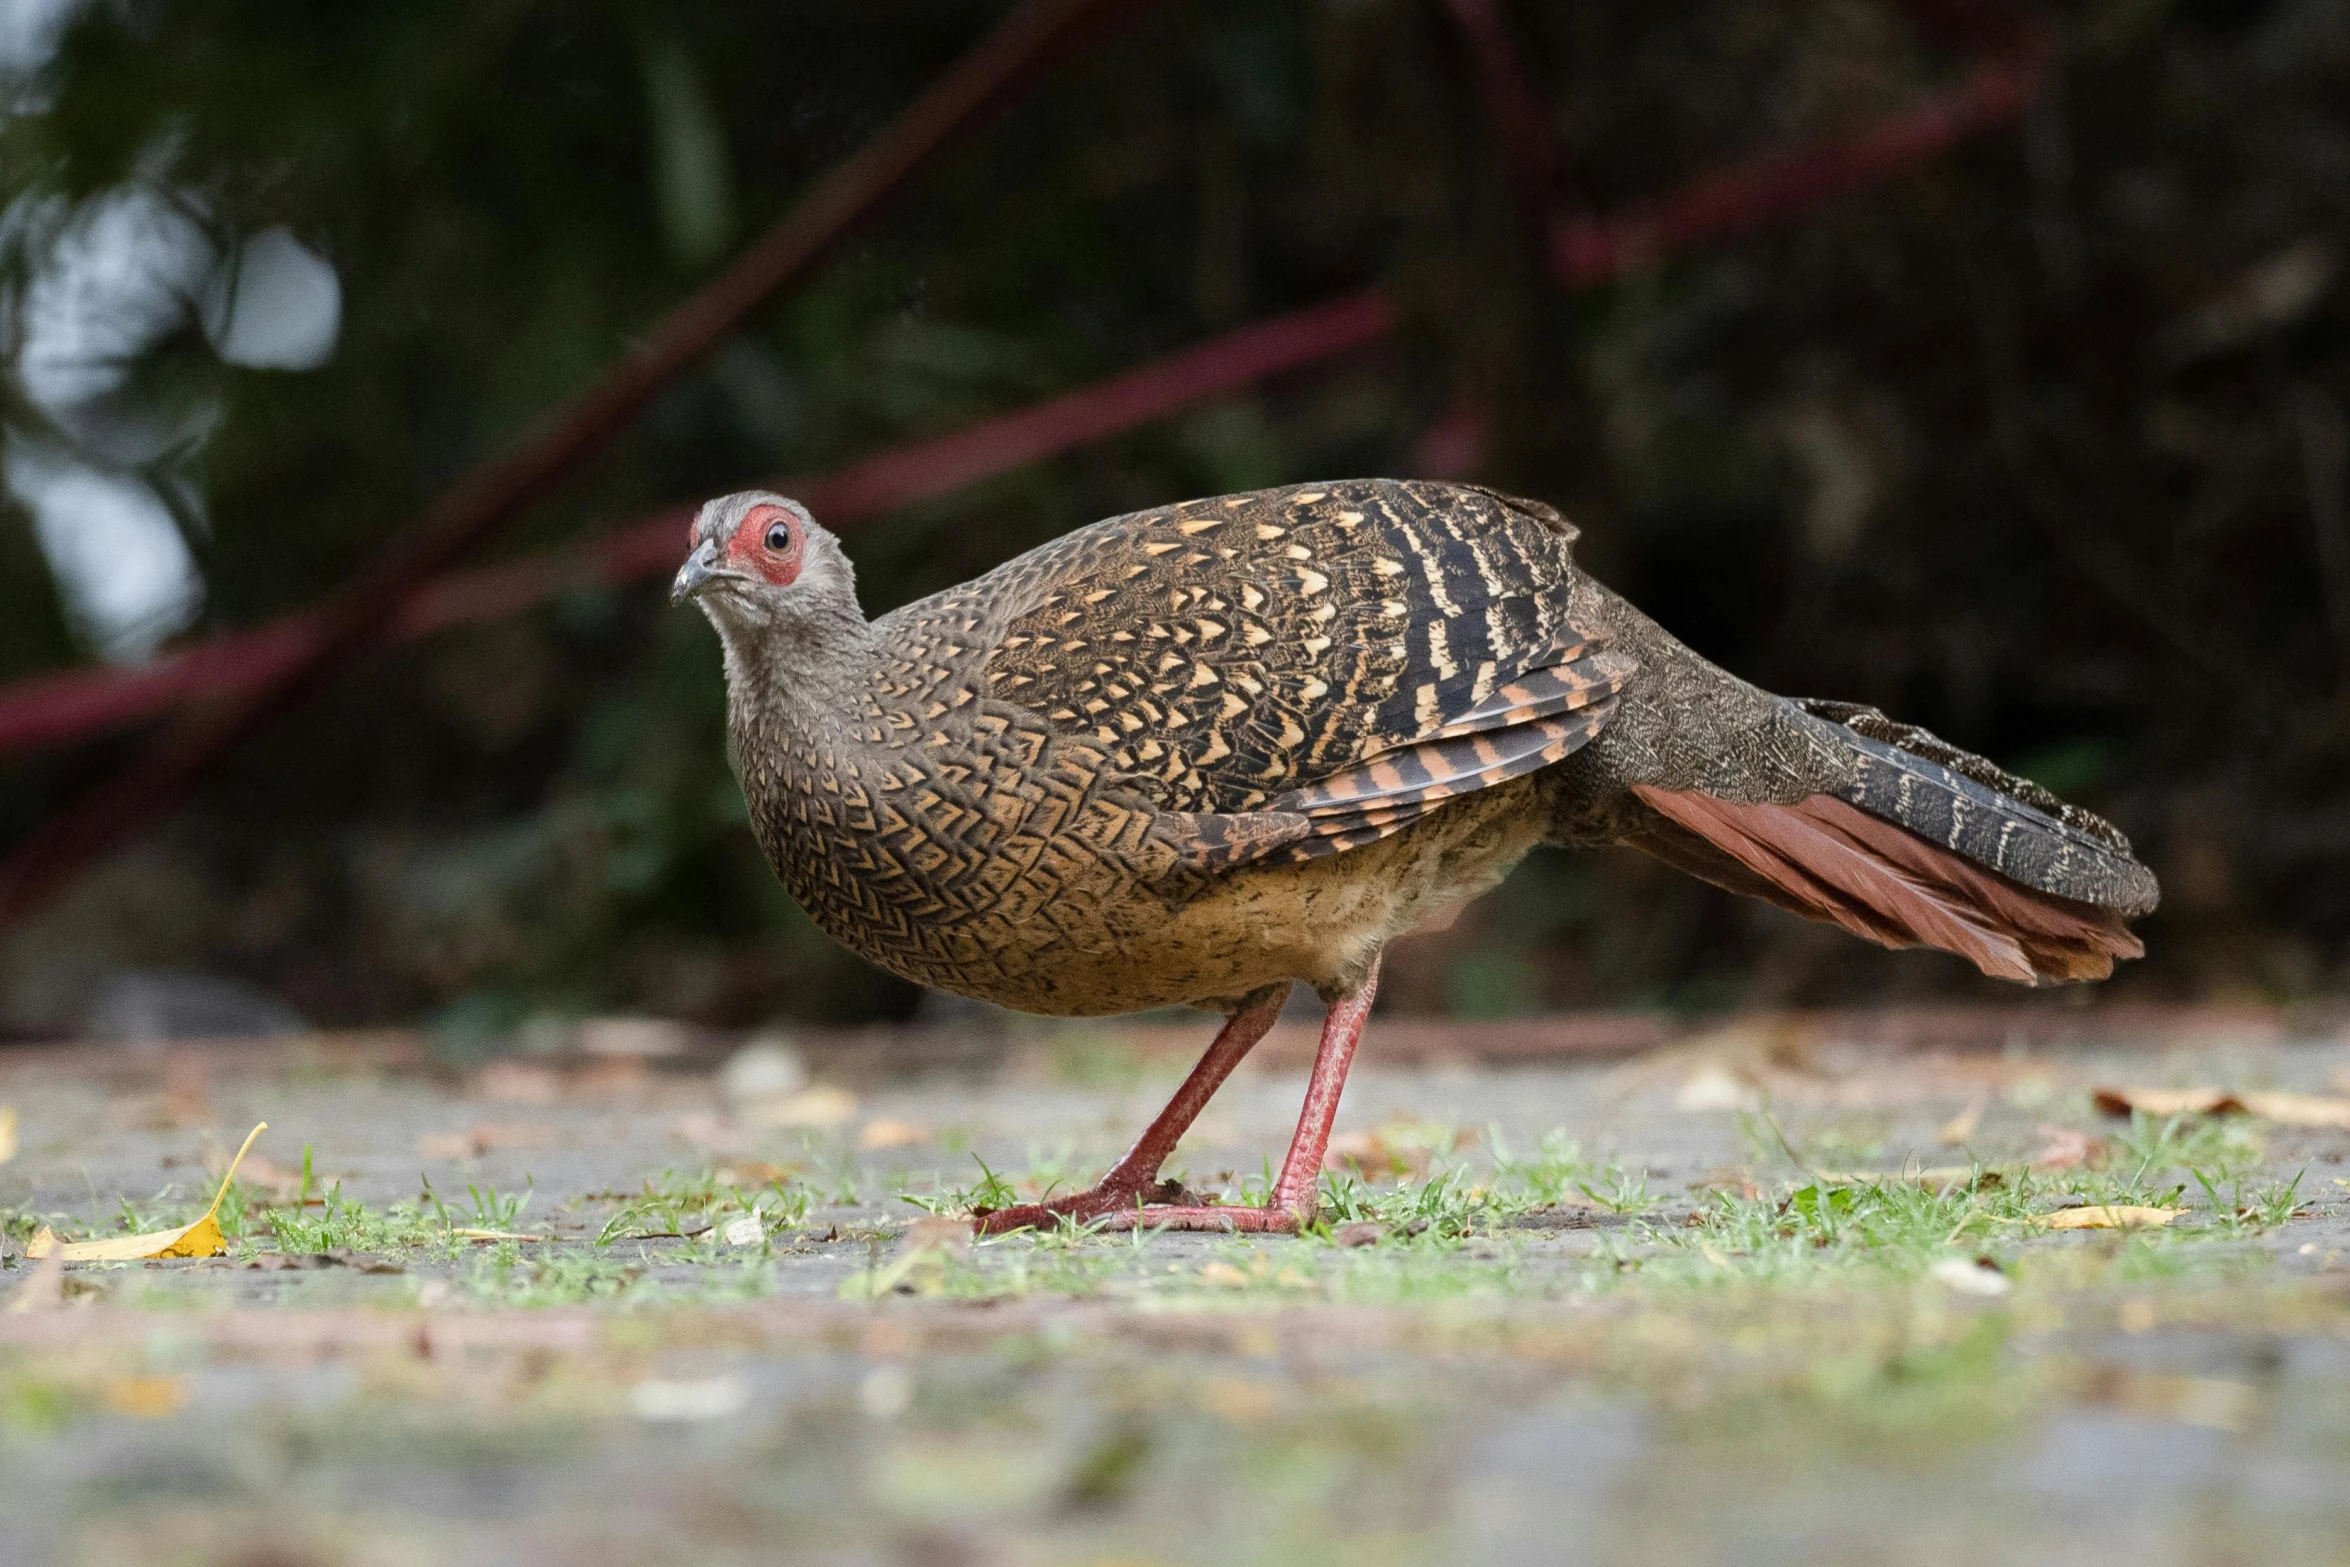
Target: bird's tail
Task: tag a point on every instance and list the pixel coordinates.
(1917, 843)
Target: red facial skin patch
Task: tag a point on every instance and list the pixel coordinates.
(749, 547)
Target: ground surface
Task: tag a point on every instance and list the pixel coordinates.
(1616, 1312)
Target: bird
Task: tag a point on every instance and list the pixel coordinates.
(1201, 753)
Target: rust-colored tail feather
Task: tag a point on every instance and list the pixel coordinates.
(1830, 861)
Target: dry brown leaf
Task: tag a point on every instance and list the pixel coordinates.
(712, 1135)
(820, 1106)
(752, 1172)
(182, 1101)
(892, 1134)
(2165, 1101)
(1961, 1127)
(633, 1038)
(262, 1173)
(1369, 1155)
(1224, 1276)
(200, 1239)
(149, 1398)
(483, 1138)
(1741, 1182)
(7, 1133)
(2286, 1109)
(2299, 1109)
(2065, 1149)
(516, 1082)
(2202, 1401)
(608, 1077)
(2108, 1216)
(1391, 1152)
(1241, 1402)
(937, 1233)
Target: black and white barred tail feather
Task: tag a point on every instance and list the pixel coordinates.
(1912, 778)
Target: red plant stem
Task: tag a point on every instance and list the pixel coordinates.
(1586, 251)
(79, 703)
(1520, 121)
(498, 491)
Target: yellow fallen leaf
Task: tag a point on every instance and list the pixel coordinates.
(1242, 1403)
(200, 1239)
(148, 1398)
(493, 1235)
(752, 1172)
(2108, 1216)
(1224, 1276)
(7, 1133)
(1940, 1177)
(820, 1106)
(892, 1134)
(1961, 1127)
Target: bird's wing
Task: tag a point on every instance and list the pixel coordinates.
(1348, 653)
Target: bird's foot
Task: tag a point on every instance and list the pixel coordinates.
(1208, 1216)
(1087, 1207)
(1165, 1206)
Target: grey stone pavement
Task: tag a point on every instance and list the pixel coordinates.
(1565, 1384)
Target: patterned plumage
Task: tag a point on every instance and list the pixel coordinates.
(1099, 734)
(1194, 753)
(1237, 650)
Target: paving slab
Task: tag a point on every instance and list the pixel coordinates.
(1765, 1293)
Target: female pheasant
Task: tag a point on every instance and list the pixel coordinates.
(1197, 753)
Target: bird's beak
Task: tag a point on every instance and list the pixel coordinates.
(696, 574)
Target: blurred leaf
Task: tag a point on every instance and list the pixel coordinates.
(693, 179)
(2108, 1216)
(202, 1238)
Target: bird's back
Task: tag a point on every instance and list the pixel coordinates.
(1224, 652)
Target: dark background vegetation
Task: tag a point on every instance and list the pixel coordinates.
(2042, 445)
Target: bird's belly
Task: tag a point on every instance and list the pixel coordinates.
(1103, 945)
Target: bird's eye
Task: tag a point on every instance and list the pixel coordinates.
(779, 538)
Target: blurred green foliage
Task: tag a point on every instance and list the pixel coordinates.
(2020, 445)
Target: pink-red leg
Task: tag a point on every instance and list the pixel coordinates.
(1121, 1201)
(1133, 1180)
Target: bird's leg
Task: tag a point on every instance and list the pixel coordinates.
(1290, 1205)
(1132, 1179)
(1295, 1191)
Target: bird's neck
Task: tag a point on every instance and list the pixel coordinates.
(808, 678)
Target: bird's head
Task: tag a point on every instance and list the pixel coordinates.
(760, 568)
